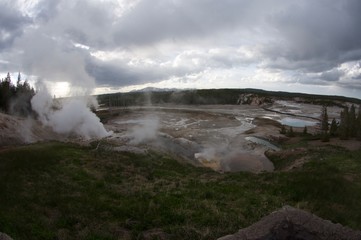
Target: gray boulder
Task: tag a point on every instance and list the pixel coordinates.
(294, 224)
(4, 236)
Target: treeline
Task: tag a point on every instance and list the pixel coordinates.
(214, 96)
(187, 97)
(15, 99)
(349, 125)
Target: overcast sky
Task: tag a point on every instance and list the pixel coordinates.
(289, 45)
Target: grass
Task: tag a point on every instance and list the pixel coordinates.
(64, 191)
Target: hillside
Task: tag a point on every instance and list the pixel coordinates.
(19, 130)
(64, 191)
(215, 96)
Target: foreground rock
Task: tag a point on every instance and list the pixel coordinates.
(4, 236)
(291, 223)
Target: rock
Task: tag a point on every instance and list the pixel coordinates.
(291, 223)
(4, 236)
(253, 99)
(156, 233)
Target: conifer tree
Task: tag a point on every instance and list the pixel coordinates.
(333, 127)
(352, 122)
(358, 124)
(6, 90)
(291, 133)
(324, 125)
(324, 120)
(343, 129)
(15, 99)
(283, 130)
(305, 132)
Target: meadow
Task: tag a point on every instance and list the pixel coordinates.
(59, 190)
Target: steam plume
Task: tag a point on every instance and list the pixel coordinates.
(146, 130)
(70, 116)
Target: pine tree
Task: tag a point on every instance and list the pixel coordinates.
(358, 124)
(15, 99)
(343, 131)
(8, 78)
(324, 120)
(291, 133)
(352, 122)
(283, 130)
(324, 125)
(6, 90)
(333, 128)
(305, 132)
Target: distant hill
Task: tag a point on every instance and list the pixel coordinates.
(154, 89)
(214, 96)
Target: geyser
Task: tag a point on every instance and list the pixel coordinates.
(70, 116)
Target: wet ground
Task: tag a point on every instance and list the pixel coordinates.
(222, 137)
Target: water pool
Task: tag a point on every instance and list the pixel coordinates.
(295, 122)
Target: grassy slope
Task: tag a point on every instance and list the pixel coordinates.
(63, 191)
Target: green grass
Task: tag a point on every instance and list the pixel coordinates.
(64, 191)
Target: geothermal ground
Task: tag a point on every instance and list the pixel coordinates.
(222, 137)
(227, 138)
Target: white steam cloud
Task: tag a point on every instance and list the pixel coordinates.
(69, 116)
(145, 130)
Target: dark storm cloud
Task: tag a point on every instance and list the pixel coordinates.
(153, 21)
(332, 75)
(307, 38)
(119, 74)
(12, 23)
(317, 35)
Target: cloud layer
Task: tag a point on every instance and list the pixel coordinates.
(275, 44)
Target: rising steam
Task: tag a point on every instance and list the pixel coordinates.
(146, 130)
(71, 116)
